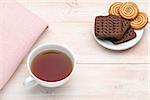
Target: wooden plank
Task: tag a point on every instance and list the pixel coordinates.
(70, 24)
(80, 1)
(148, 81)
(149, 43)
(77, 22)
(78, 38)
(90, 81)
(81, 12)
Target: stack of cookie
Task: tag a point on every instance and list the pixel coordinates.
(121, 22)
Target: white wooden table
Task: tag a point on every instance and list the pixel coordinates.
(101, 74)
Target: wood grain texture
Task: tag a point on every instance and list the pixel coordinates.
(101, 74)
(72, 26)
(149, 41)
(90, 81)
(78, 38)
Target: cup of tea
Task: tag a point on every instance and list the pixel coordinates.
(50, 65)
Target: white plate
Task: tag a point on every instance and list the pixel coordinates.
(123, 46)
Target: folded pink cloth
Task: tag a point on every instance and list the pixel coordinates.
(19, 29)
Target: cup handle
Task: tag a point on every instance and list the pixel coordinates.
(30, 82)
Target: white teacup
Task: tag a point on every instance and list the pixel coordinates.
(32, 80)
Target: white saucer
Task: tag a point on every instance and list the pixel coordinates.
(123, 46)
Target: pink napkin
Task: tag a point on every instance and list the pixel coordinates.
(19, 29)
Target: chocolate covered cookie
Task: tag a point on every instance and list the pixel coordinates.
(108, 27)
(125, 25)
(129, 35)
